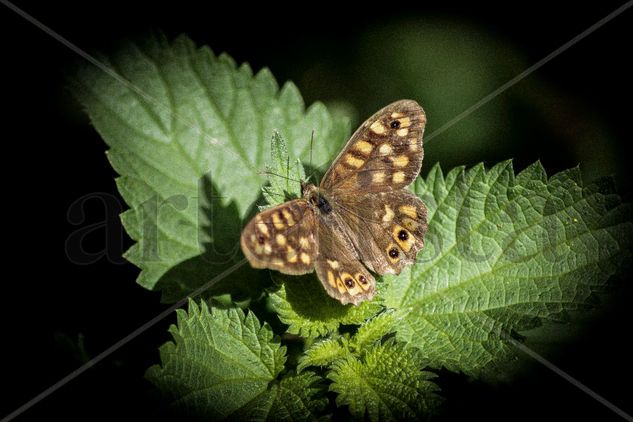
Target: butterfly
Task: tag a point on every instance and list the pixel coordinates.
(360, 219)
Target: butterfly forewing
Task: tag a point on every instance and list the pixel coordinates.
(282, 238)
(384, 154)
(361, 213)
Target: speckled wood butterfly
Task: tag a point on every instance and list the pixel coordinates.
(361, 211)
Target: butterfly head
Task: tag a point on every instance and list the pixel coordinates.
(316, 198)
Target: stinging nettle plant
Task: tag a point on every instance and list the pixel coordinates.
(190, 135)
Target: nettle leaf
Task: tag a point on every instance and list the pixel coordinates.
(189, 135)
(323, 352)
(375, 329)
(219, 361)
(302, 303)
(294, 398)
(326, 351)
(504, 253)
(385, 383)
(224, 363)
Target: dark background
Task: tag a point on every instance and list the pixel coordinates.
(575, 109)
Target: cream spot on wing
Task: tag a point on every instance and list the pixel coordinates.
(385, 149)
(340, 286)
(279, 225)
(402, 132)
(263, 228)
(259, 249)
(410, 224)
(388, 214)
(303, 242)
(350, 284)
(378, 177)
(288, 216)
(281, 239)
(278, 262)
(398, 177)
(396, 115)
(333, 264)
(406, 122)
(377, 127)
(354, 290)
(406, 245)
(305, 258)
(408, 210)
(364, 147)
(353, 161)
(400, 161)
(267, 248)
(413, 144)
(406, 242)
(330, 279)
(291, 255)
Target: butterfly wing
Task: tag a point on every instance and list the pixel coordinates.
(291, 239)
(387, 228)
(282, 238)
(376, 221)
(385, 223)
(384, 154)
(338, 267)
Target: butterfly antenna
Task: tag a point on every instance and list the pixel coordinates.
(287, 171)
(271, 173)
(311, 143)
(280, 195)
(313, 171)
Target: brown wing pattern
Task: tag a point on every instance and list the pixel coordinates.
(387, 228)
(339, 269)
(282, 238)
(384, 154)
(371, 218)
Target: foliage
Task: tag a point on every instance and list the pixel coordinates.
(188, 133)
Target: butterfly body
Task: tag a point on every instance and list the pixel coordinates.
(359, 214)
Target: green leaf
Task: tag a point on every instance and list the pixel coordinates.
(503, 254)
(324, 352)
(284, 177)
(219, 362)
(294, 398)
(188, 135)
(375, 329)
(385, 384)
(303, 304)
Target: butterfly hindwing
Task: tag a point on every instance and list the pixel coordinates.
(339, 269)
(282, 238)
(387, 227)
(384, 154)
